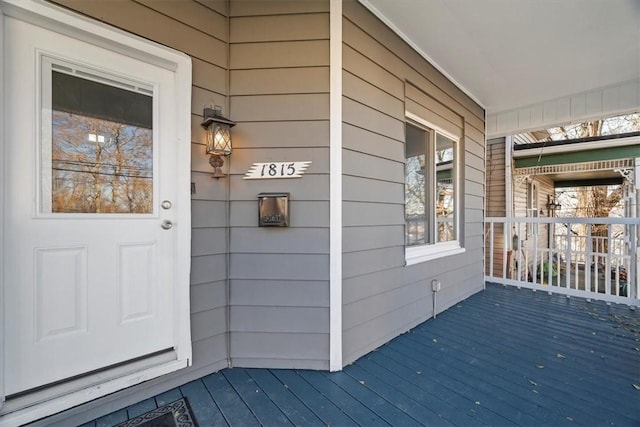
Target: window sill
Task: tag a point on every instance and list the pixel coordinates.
(418, 254)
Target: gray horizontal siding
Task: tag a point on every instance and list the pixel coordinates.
(269, 319)
(383, 77)
(373, 167)
(155, 25)
(358, 189)
(364, 141)
(282, 134)
(261, 7)
(357, 214)
(370, 71)
(208, 213)
(197, 15)
(280, 293)
(209, 76)
(286, 347)
(365, 117)
(387, 302)
(280, 81)
(208, 296)
(201, 324)
(377, 331)
(280, 107)
(208, 268)
(275, 240)
(371, 260)
(283, 27)
(312, 53)
(366, 93)
(207, 189)
(206, 241)
(356, 239)
(279, 58)
(280, 266)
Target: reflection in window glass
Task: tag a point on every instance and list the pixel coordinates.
(430, 187)
(445, 194)
(101, 149)
(415, 190)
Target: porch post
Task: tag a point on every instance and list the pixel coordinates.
(335, 186)
(635, 266)
(508, 186)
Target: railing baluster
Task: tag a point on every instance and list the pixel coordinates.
(569, 256)
(632, 275)
(505, 232)
(607, 270)
(535, 258)
(491, 240)
(519, 255)
(587, 260)
(592, 249)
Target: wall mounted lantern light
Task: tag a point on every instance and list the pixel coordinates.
(218, 138)
(552, 204)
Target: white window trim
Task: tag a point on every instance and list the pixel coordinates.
(58, 19)
(423, 253)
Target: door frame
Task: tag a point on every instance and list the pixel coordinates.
(71, 24)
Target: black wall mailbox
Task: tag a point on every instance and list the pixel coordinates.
(273, 209)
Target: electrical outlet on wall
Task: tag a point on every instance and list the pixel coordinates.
(436, 285)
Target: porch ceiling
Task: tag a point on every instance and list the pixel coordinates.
(515, 54)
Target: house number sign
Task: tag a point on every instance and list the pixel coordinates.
(277, 170)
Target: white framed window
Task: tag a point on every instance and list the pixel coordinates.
(431, 192)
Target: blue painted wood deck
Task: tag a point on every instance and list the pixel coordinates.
(502, 357)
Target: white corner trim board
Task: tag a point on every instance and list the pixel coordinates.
(335, 190)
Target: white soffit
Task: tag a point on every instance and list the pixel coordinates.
(516, 56)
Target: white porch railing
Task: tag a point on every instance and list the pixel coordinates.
(591, 257)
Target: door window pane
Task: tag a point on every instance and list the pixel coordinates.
(101, 147)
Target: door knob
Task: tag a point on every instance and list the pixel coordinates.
(166, 224)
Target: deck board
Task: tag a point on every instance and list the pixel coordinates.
(168, 397)
(324, 408)
(112, 418)
(234, 409)
(504, 356)
(203, 407)
(353, 407)
(292, 407)
(141, 408)
(261, 406)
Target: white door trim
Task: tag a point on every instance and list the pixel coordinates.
(1, 201)
(60, 20)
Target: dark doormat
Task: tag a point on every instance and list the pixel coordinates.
(175, 414)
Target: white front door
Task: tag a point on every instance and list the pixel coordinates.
(89, 200)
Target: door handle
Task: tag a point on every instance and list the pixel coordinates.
(166, 224)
